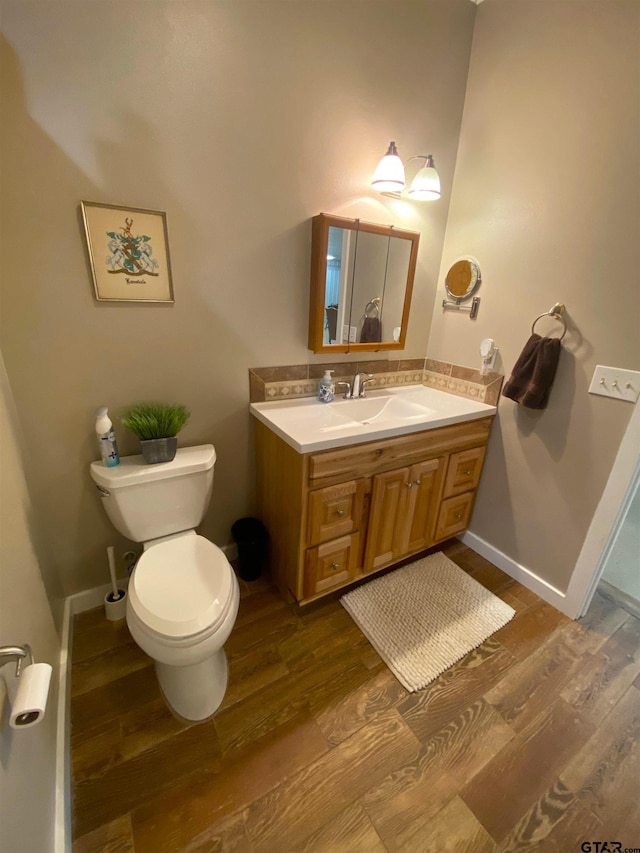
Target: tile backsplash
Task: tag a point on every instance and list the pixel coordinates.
(301, 380)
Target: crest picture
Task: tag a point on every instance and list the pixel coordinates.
(129, 253)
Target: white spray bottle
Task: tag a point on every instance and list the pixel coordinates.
(106, 438)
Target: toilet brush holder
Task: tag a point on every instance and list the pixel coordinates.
(115, 607)
(115, 601)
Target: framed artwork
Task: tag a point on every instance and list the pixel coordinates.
(128, 252)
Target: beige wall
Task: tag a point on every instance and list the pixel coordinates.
(244, 119)
(27, 758)
(547, 197)
(241, 120)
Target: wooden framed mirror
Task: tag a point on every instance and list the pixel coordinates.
(361, 283)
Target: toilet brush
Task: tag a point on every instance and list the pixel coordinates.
(115, 601)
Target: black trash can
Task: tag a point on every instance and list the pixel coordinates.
(252, 540)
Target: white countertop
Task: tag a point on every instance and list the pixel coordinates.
(308, 425)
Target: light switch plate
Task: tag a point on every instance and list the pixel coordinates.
(615, 382)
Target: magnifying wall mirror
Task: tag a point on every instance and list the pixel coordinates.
(463, 279)
(461, 282)
(361, 282)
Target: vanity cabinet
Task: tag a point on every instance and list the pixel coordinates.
(336, 516)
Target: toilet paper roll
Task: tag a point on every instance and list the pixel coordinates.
(31, 697)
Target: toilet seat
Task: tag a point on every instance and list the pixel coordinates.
(182, 587)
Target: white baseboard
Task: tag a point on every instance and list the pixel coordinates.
(518, 572)
(62, 831)
(90, 598)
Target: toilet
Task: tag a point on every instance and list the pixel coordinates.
(183, 594)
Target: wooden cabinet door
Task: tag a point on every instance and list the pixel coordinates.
(330, 564)
(422, 510)
(404, 508)
(388, 506)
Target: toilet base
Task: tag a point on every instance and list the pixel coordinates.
(194, 692)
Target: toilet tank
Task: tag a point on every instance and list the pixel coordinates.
(145, 501)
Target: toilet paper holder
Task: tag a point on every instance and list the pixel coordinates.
(10, 654)
(29, 704)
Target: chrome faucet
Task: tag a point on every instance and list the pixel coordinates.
(358, 387)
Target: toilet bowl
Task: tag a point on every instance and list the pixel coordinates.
(183, 594)
(183, 602)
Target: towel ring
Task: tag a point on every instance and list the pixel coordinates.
(557, 313)
(372, 308)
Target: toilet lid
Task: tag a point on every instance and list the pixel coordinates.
(182, 586)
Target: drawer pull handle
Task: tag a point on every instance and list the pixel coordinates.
(417, 482)
(340, 513)
(467, 472)
(335, 566)
(379, 451)
(458, 515)
(409, 485)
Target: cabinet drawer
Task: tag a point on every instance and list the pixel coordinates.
(330, 564)
(363, 460)
(334, 511)
(463, 472)
(454, 515)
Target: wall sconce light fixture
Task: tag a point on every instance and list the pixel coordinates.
(389, 177)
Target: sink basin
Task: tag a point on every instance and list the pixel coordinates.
(308, 425)
(322, 417)
(369, 410)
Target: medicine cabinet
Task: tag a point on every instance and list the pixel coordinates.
(361, 282)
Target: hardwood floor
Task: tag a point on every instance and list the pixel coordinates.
(531, 742)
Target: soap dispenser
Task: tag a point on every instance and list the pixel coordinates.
(326, 388)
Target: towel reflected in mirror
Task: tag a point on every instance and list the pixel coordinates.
(371, 331)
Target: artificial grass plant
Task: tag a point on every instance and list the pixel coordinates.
(156, 420)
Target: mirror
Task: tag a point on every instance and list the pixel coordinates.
(361, 283)
(463, 279)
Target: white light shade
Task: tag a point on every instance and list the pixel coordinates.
(389, 174)
(426, 184)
